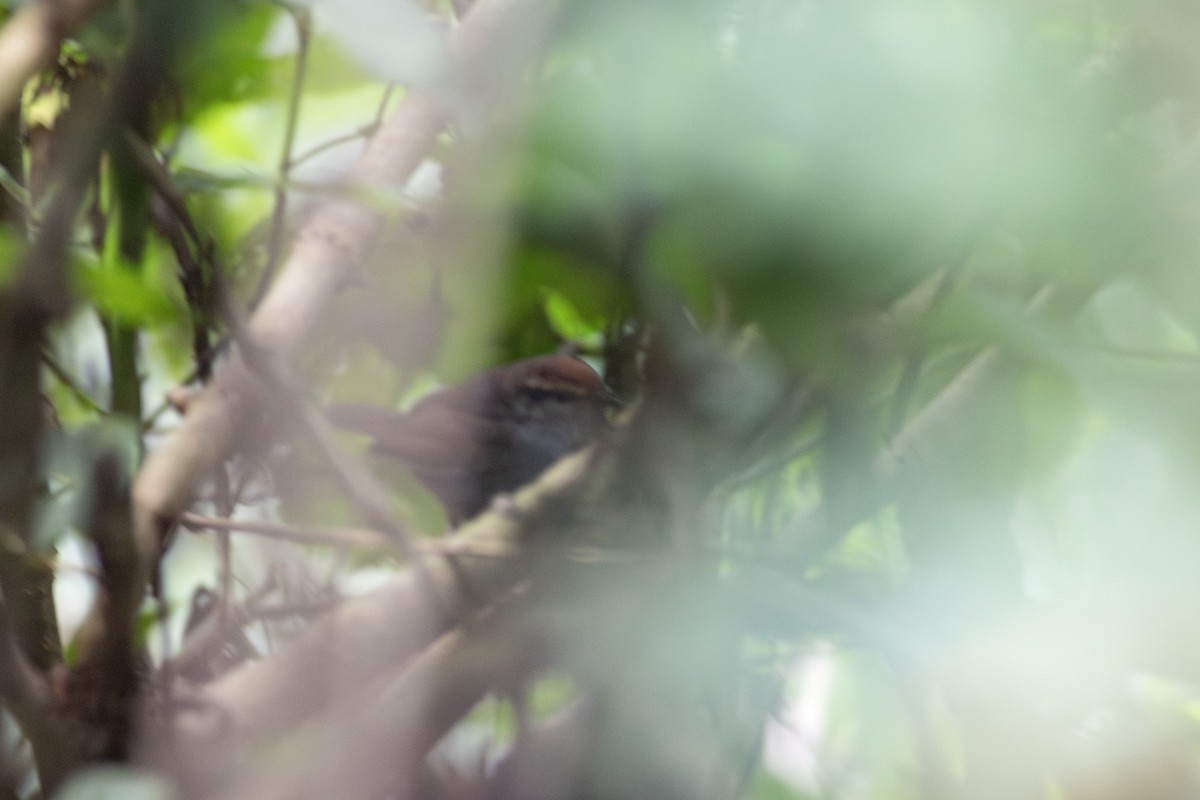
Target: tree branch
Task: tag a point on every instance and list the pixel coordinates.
(369, 636)
(103, 683)
(379, 738)
(327, 252)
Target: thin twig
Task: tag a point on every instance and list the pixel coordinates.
(254, 180)
(154, 171)
(165, 405)
(361, 132)
(774, 463)
(356, 481)
(191, 273)
(298, 608)
(345, 537)
(68, 381)
(275, 238)
(15, 190)
(336, 537)
(225, 502)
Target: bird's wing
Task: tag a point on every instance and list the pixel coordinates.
(442, 443)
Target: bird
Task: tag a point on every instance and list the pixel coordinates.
(491, 435)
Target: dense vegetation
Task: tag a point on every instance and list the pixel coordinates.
(902, 300)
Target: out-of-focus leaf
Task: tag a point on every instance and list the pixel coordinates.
(230, 66)
(879, 748)
(397, 40)
(817, 171)
(567, 321)
(527, 327)
(874, 547)
(957, 467)
(1054, 419)
(124, 294)
(1124, 316)
(331, 68)
(115, 783)
(236, 132)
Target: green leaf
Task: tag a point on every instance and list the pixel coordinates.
(567, 321)
(123, 294)
(230, 64)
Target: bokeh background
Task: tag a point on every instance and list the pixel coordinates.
(903, 298)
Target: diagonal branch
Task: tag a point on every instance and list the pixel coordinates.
(369, 637)
(369, 634)
(379, 738)
(328, 251)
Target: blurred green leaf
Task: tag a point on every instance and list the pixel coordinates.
(231, 66)
(527, 321)
(568, 323)
(124, 294)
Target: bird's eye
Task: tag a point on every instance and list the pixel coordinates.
(541, 394)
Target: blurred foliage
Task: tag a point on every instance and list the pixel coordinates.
(929, 272)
